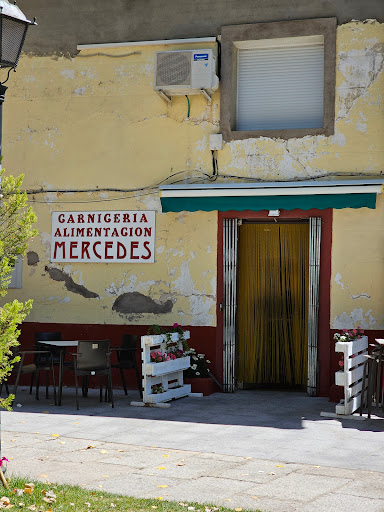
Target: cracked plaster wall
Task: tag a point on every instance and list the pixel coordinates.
(95, 122)
(357, 292)
(356, 146)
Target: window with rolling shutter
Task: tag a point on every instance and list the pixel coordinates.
(280, 87)
(278, 79)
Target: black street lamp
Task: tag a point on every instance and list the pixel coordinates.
(13, 29)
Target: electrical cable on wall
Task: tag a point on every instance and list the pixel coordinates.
(109, 55)
(189, 106)
(204, 178)
(215, 169)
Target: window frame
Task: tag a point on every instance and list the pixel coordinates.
(17, 274)
(233, 36)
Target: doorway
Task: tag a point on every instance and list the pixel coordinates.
(272, 305)
(229, 305)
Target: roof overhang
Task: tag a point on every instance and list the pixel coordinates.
(302, 195)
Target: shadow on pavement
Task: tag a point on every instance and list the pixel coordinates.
(274, 409)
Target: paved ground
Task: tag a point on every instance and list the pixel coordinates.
(252, 449)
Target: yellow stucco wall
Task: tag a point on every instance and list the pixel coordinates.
(94, 121)
(358, 268)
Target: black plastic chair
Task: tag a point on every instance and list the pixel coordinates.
(126, 359)
(45, 363)
(41, 360)
(93, 358)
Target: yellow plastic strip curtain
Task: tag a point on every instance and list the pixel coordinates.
(272, 304)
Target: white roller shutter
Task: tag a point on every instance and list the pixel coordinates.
(280, 87)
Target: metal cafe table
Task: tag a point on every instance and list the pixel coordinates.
(61, 344)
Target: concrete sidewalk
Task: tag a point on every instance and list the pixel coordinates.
(252, 449)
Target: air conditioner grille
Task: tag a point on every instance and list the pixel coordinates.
(173, 69)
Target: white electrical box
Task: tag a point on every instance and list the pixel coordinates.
(216, 142)
(183, 72)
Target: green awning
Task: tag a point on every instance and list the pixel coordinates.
(257, 203)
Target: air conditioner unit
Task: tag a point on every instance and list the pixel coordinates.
(183, 72)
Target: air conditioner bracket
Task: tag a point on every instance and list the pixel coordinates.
(206, 95)
(164, 96)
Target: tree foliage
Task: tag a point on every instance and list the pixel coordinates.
(16, 221)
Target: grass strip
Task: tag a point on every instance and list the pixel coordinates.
(49, 497)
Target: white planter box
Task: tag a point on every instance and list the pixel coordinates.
(351, 376)
(168, 374)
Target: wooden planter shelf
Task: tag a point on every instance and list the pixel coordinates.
(168, 374)
(351, 376)
(155, 369)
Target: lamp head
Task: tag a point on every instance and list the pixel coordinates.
(13, 29)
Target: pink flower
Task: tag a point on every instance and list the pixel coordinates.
(341, 363)
(173, 356)
(358, 337)
(362, 331)
(354, 331)
(175, 325)
(345, 330)
(2, 460)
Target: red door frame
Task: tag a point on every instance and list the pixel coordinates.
(324, 349)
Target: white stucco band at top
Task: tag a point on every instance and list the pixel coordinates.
(159, 42)
(274, 188)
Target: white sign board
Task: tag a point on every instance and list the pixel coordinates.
(103, 237)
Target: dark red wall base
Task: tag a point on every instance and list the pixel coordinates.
(203, 339)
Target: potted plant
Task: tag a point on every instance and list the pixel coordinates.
(170, 350)
(199, 374)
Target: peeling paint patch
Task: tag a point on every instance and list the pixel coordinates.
(127, 284)
(58, 275)
(151, 202)
(360, 69)
(45, 239)
(355, 318)
(68, 73)
(347, 288)
(50, 197)
(90, 73)
(338, 280)
(80, 91)
(32, 258)
(135, 302)
(361, 127)
(184, 283)
(338, 138)
(361, 296)
(200, 310)
(202, 145)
